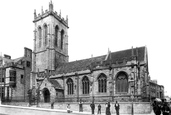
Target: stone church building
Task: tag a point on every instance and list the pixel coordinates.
(120, 75)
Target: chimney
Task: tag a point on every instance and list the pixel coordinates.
(7, 56)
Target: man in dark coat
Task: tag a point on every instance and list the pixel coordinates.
(117, 107)
(99, 109)
(108, 109)
(166, 109)
(157, 109)
(92, 105)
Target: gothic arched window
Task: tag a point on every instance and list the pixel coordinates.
(45, 34)
(40, 36)
(70, 86)
(122, 83)
(56, 36)
(85, 84)
(62, 38)
(102, 83)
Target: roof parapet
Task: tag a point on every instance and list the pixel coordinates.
(48, 12)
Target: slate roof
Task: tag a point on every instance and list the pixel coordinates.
(17, 59)
(78, 65)
(113, 57)
(127, 54)
(55, 83)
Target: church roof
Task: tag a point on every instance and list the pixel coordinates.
(127, 55)
(55, 84)
(114, 57)
(78, 65)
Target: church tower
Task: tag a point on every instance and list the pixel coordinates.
(50, 40)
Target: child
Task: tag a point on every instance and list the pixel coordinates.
(68, 108)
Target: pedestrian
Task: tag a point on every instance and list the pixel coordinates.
(158, 109)
(68, 108)
(92, 105)
(108, 109)
(117, 107)
(170, 108)
(80, 106)
(99, 109)
(52, 105)
(166, 109)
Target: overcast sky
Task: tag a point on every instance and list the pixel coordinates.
(95, 26)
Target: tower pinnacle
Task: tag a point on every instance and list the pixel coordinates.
(50, 6)
(35, 14)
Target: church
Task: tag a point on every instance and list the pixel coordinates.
(121, 75)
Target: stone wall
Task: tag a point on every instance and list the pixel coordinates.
(125, 108)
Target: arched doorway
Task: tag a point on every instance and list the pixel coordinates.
(46, 95)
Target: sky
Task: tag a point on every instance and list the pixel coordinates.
(96, 26)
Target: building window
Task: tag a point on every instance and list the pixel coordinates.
(22, 79)
(12, 75)
(122, 83)
(85, 84)
(70, 86)
(2, 79)
(56, 36)
(45, 34)
(2, 92)
(102, 83)
(28, 64)
(62, 38)
(40, 36)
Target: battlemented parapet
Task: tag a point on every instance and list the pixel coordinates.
(46, 13)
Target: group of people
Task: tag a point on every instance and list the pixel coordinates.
(161, 108)
(92, 105)
(117, 107)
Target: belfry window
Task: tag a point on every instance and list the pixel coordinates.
(40, 36)
(56, 36)
(102, 83)
(85, 85)
(70, 86)
(45, 34)
(122, 83)
(62, 38)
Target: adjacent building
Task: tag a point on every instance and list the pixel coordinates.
(155, 90)
(15, 76)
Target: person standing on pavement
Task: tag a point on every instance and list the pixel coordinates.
(108, 109)
(106, 105)
(158, 109)
(92, 105)
(99, 109)
(80, 106)
(68, 108)
(117, 107)
(166, 109)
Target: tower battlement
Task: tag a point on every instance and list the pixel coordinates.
(48, 12)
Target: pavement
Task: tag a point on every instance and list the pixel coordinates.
(64, 112)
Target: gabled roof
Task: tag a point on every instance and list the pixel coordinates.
(55, 83)
(127, 55)
(17, 59)
(113, 57)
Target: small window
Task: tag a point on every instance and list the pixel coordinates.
(22, 79)
(28, 64)
(2, 79)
